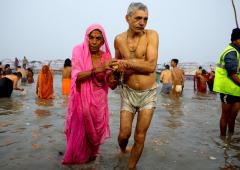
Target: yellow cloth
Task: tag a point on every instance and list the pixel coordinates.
(66, 86)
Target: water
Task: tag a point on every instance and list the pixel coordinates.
(184, 134)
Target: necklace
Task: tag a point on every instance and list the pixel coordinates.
(132, 49)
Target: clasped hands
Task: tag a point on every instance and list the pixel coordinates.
(116, 65)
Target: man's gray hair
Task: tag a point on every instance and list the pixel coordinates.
(136, 6)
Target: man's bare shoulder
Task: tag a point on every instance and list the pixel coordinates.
(120, 37)
(152, 33)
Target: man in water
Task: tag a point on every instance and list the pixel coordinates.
(166, 80)
(8, 83)
(201, 81)
(227, 83)
(211, 80)
(199, 71)
(177, 78)
(24, 73)
(136, 51)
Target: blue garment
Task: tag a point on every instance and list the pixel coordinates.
(231, 62)
(166, 88)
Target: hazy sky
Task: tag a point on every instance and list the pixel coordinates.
(191, 30)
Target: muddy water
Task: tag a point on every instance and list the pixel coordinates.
(184, 134)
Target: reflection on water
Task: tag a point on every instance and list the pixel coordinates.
(42, 113)
(44, 102)
(10, 105)
(230, 147)
(175, 112)
(184, 134)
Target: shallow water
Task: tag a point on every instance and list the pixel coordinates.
(183, 135)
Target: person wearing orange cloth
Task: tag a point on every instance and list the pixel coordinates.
(44, 88)
(66, 77)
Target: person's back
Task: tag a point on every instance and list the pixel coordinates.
(177, 77)
(66, 76)
(202, 82)
(166, 77)
(24, 73)
(66, 73)
(166, 80)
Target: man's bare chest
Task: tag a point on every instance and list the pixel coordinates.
(138, 53)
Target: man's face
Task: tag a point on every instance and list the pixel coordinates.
(137, 20)
(95, 40)
(237, 42)
(173, 64)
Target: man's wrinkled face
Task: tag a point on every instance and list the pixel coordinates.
(95, 40)
(137, 20)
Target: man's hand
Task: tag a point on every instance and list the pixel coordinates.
(120, 65)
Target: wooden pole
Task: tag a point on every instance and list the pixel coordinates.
(235, 13)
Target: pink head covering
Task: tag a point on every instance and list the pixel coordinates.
(87, 118)
(82, 61)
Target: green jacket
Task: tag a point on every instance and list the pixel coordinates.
(222, 82)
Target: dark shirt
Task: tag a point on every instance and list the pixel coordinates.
(231, 62)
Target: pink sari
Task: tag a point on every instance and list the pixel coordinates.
(87, 118)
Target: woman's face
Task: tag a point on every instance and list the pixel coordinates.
(95, 40)
(45, 69)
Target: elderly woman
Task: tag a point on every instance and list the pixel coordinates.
(87, 119)
(44, 88)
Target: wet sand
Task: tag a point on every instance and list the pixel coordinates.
(184, 134)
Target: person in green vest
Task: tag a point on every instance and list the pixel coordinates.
(227, 83)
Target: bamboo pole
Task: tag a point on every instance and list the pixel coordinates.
(235, 13)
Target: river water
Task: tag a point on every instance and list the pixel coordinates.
(184, 134)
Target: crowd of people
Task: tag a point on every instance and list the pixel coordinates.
(92, 71)
(10, 79)
(203, 80)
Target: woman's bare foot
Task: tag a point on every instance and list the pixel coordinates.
(92, 158)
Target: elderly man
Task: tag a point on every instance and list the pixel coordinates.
(227, 83)
(136, 51)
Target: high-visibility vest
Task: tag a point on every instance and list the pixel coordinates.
(222, 82)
